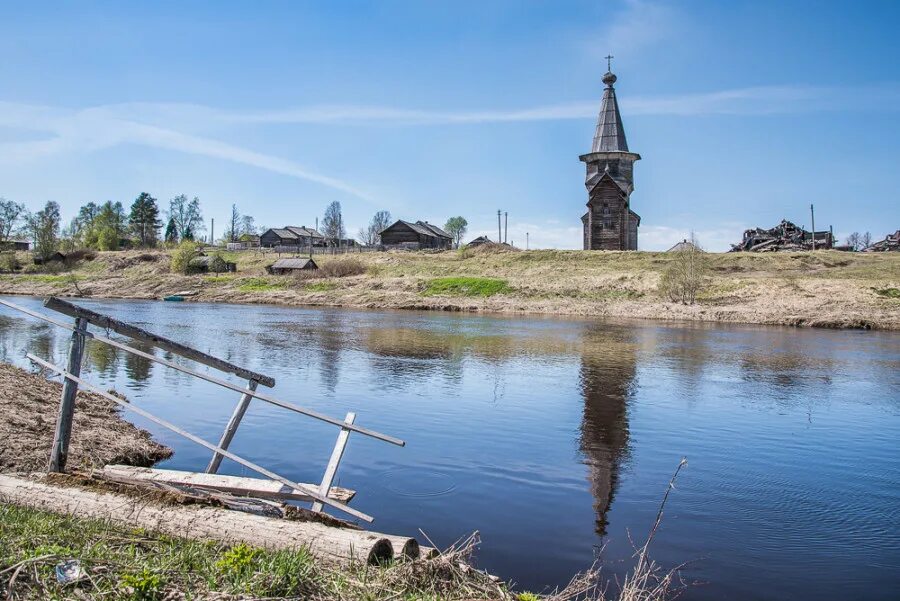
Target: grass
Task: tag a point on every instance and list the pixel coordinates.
(320, 287)
(260, 285)
(466, 286)
(888, 292)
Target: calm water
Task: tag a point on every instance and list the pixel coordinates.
(556, 437)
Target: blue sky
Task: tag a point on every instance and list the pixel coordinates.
(744, 112)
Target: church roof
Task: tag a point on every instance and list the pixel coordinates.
(610, 134)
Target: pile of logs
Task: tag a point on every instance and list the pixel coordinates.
(786, 236)
(890, 243)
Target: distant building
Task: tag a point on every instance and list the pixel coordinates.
(479, 241)
(286, 266)
(684, 245)
(415, 236)
(609, 223)
(291, 236)
(15, 245)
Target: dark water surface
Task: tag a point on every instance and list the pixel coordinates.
(554, 437)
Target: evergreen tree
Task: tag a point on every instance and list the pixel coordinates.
(144, 220)
(171, 231)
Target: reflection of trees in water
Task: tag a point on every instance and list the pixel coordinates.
(137, 368)
(331, 343)
(608, 366)
(100, 358)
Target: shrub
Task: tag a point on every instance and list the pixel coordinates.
(9, 262)
(684, 276)
(182, 256)
(217, 263)
(340, 268)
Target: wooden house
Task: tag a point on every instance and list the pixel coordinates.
(415, 236)
(287, 266)
(202, 265)
(15, 245)
(291, 236)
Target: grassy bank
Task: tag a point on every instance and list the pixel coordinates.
(824, 288)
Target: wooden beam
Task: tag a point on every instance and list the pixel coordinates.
(335, 459)
(126, 329)
(59, 452)
(231, 428)
(236, 485)
(312, 492)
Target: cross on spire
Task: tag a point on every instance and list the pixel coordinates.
(609, 62)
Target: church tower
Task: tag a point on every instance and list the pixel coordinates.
(609, 223)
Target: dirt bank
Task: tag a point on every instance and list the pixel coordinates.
(28, 408)
(823, 288)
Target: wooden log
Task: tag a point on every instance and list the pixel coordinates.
(332, 545)
(236, 485)
(335, 459)
(126, 329)
(230, 428)
(59, 452)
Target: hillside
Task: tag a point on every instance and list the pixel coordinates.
(825, 288)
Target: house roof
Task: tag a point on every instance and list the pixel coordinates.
(438, 231)
(293, 263)
(610, 134)
(306, 232)
(284, 233)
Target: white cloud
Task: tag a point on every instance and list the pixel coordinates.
(639, 25)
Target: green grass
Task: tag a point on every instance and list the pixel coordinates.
(260, 285)
(320, 287)
(466, 286)
(888, 292)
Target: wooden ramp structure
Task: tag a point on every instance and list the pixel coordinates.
(271, 488)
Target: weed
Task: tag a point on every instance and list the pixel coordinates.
(260, 285)
(144, 585)
(320, 287)
(888, 292)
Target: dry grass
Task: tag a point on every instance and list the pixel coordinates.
(825, 288)
(28, 409)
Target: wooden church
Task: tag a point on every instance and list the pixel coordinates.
(609, 223)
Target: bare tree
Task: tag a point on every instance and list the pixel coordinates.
(248, 226)
(853, 240)
(43, 228)
(371, 235)
(866, 240)
(333, 223)
(684, 276)
(187, 217)
(10, 213)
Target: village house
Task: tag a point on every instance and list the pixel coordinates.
(291, 236)
(288, 266)
(609, 223)
(415, 236)
(15, 245)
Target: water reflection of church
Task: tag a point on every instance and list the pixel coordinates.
(608, 366)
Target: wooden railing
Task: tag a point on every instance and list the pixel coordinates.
(72, 381)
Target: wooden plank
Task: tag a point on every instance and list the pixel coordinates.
(59, 452)
(125, 329)
(224, 383)
(231, 428)
(335, 460)
(311, 491)
(237, 485)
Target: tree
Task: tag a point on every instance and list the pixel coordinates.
(231, 231)
(685, 273)
(248, 227)
(187, 216)
(457, 227)
(866, 240)
(107, 226)
(371, 235)
(333, 223)
(144, 220)
(171, 235)
(43, 229)
(853, 241)
(10, 213)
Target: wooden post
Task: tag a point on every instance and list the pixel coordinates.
(59, 452)
(231, 428)
(336, 455)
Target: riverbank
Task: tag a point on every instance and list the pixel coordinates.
(816, 289)
(28, 407)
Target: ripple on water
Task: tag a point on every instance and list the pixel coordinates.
(417, 482)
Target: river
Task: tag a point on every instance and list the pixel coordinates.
(557, 437)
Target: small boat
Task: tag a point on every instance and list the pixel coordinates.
(175, 298)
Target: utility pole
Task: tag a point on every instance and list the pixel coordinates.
(505, 226)
(526, 240)
(212, 231)
(499, 229)
(812, 214)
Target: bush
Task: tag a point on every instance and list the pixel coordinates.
(9, 262)
(217, 263)
(684, 276)
(81, 254)
(182, 256)
(340, 268)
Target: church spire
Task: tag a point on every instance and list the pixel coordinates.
(610, 134)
